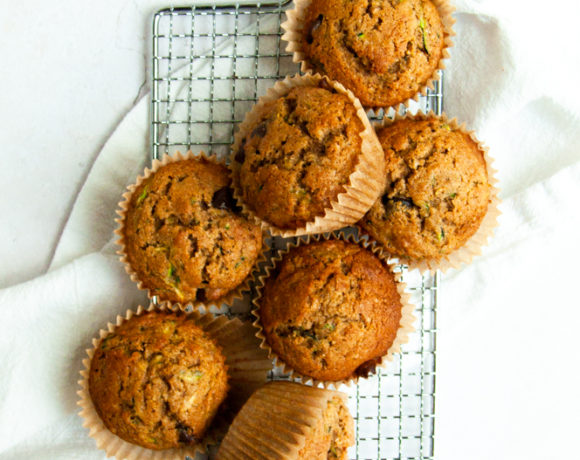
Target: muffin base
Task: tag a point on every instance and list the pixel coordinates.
(292, 411)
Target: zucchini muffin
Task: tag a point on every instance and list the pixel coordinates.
(437, 189)
(158, 380)
(184, 235)
(297, 156)
(385, 52)
(285, 420)
(330, 310)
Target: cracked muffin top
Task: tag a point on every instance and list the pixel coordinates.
(330, 310)
(184, 235)
(385, 52)
(437, 189)
(157, 380)
(297, 157)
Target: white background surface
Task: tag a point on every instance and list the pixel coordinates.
(71, 70)
(508, 379)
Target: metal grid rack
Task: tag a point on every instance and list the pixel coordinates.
(210, 65)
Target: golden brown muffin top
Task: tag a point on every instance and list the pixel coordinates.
(383, 51)
(437, 190)
(331, 437)
(330, 310)
(158, 380)
(184, 235)
(297, 158)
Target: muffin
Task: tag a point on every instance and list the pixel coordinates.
(284, 420)
(437, 189)
(298, 155)
(385, 52)
(330, 310)
(158, 380)
(247, 367)
(183, 235)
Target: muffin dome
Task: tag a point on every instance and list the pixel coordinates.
(158, 380)
(437, 189)
(385, 52)
(296, 158)
(184, 236)
(330, 310)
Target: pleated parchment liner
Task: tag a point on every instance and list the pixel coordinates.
(230, 297)
(473, 246)
(294, 31)
(405, 326)
(276, 421)
(248, 367)
(365, 184)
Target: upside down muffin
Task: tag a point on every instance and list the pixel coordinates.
(437, 189)
(158, 380)
(184, 235)
(291, 421)
(330, 310)
(297, 156)
(384, 51)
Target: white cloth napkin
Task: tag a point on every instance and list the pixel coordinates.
(507, 375)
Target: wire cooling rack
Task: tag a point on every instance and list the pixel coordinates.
(210, 65)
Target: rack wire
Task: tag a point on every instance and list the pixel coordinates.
(209, 66)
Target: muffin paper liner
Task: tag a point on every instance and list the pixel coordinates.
(405, 326)
(294, 30)
(248, 367)
(123, 205)
(364, 185)
(276, 420)
(473, 246)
